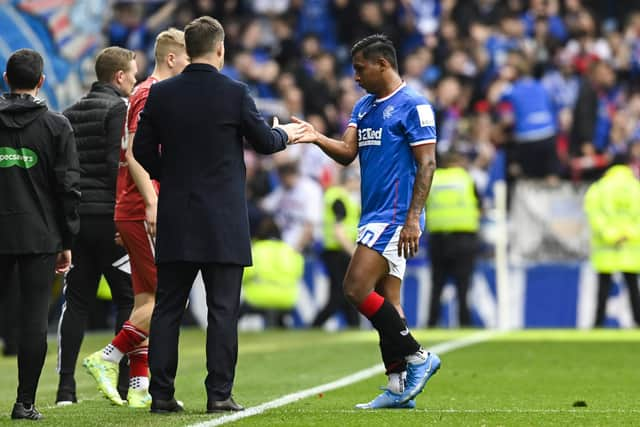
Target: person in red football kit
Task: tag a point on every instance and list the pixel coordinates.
(135, 216)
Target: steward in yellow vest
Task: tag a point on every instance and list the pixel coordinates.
(453, 219)
(271, 284)
(452, 205)
(612, 205)
(340, 230)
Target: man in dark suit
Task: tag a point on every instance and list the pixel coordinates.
(190, 138)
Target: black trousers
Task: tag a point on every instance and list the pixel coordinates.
(93, 255)
(604, 285)
(452, 255)
(35, 277)
(337, 263)
(10, 312)
(222, 285)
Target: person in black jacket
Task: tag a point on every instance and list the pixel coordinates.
(38, 214)
(98, 120)
(199, 118)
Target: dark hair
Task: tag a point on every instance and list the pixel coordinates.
(112, 59)
(375, 46)
(24, 69)
(288, 168)
(201, 36)
(268, 229)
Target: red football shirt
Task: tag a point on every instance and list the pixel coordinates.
(129, 201)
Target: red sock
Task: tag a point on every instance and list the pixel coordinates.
(129, 337)
(139, 362)
(371, 304)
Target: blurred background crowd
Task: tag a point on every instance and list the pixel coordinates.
(481, 63)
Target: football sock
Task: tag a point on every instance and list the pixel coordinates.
(139, 367)
(129, 337)
(385, 318)
(394, 363)
(112, 354)
(418, 357)
(139, 383)
(396, 382)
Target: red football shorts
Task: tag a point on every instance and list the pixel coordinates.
(141, 250)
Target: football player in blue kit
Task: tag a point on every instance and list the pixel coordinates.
(392, 131)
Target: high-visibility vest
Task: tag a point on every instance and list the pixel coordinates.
(272, 281)
(350, 221)
(612, 205)
(452, 205)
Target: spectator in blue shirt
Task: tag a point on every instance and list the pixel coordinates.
(526, 114)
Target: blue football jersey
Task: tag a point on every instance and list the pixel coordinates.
(387, 129)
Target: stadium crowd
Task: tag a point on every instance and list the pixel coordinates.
(295, 57)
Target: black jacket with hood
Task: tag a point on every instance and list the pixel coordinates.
(39, 177)
(98, 121)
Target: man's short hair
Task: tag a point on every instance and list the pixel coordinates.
(168, 41)
(376, 46)
(24, 69)
(112, 59)
(202, 35)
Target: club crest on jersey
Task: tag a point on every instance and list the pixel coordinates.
(388, 112)
(368, 136)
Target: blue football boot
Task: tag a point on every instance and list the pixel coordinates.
(417, 376)
(387, 399)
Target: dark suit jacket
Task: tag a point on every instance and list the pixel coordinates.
(190, 138)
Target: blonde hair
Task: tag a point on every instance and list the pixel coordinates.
(168, 41)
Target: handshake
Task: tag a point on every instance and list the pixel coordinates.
(298, 131)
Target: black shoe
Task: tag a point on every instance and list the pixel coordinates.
(223, 405)
(165, 406)
(25, 412)
(64, 398)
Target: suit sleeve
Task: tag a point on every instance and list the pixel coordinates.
(262, 138)
(146, 148)
(114, 124)
(67, 178)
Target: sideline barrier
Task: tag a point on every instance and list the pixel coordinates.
(549, 295)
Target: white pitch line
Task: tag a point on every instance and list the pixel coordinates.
(442, 348)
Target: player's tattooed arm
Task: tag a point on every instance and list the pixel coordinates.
(425, 156)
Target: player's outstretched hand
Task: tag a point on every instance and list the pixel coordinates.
(293, 130)
(309, 133)
(409, 240)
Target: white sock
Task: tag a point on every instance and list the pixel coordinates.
(112, 354)
(418, 357)
(396, 382)
(139, 383)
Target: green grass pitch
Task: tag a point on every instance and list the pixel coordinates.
(527, 378)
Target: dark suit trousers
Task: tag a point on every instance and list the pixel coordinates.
(35, 277)
(452, 255)
(222, 284)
